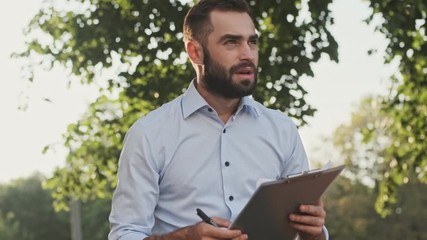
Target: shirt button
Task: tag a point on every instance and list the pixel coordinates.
(224, 131)
(231, 198)
(210, 109)
(227, 164)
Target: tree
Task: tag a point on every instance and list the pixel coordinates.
(350, 209)
(364, 145)
(8, 231)
(142, 42)
(26, 213)
(361, 143)
(404, 25)
(352, 216)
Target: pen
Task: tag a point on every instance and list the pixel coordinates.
(205, 218)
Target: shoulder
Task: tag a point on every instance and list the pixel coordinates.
(160, 117)
(273, 115)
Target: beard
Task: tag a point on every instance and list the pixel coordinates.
(218, 80)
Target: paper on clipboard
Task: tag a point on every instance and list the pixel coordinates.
(264, 180)
(265, 216)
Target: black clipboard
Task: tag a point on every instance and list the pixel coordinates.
(265, 216)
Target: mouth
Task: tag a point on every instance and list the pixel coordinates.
(245, 71)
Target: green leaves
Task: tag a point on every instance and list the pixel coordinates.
(404, 25)
(26, 211)
(289, 42)
(352, 216)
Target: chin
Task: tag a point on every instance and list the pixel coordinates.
(245, 82)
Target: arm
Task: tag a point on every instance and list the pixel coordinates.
(310, 223)
(135, 198)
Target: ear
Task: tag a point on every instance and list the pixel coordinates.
(195, 52)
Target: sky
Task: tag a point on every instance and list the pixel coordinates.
(335, 91)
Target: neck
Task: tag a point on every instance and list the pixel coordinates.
(225, 107)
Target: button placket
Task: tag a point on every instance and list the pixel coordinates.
(227, 167)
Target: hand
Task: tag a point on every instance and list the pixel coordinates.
(204, 231)
(309, 222)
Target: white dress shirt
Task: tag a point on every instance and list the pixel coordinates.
(182, 156)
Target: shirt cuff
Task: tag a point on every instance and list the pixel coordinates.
(129, 236)
(325, 230)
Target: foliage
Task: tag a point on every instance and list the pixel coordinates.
(349, 210)
(7, 230)
(141, 41)
(404, 25)
(351, 214)
(362, 141)
(26, 211)
(95, 219)
(27, 214)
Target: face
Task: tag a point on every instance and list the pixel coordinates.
(231, 55)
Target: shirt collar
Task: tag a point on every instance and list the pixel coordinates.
(249, 105)
(193, 101)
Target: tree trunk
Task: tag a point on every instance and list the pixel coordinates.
(76, 223)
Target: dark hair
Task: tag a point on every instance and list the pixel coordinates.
(197, 24)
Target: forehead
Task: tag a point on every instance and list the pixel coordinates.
(229, 22)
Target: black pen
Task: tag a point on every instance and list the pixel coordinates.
(205, 218)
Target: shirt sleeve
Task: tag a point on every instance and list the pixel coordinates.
(295, 156)
(136, 195)
(298, 161)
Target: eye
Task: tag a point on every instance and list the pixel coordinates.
(253, 41)
(230, 42)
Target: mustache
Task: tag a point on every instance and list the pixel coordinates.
(234, 68)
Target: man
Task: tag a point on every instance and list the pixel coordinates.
(207, 148)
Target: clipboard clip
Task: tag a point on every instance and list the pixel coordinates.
(325, 167)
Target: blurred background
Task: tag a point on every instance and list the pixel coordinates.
(76, 74)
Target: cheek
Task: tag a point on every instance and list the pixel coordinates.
(225, 62)
(226, 59)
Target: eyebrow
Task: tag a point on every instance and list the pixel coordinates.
(236, 37)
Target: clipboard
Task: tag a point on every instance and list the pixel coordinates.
(265, 216)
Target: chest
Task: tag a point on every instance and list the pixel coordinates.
(202, 156)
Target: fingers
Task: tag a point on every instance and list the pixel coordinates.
(206, 231)
(313, 210)
(307, 226)
(221, 222)
(241, 237)
(310, 220)
(306, 230)
(307, 220)
(224, 224)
